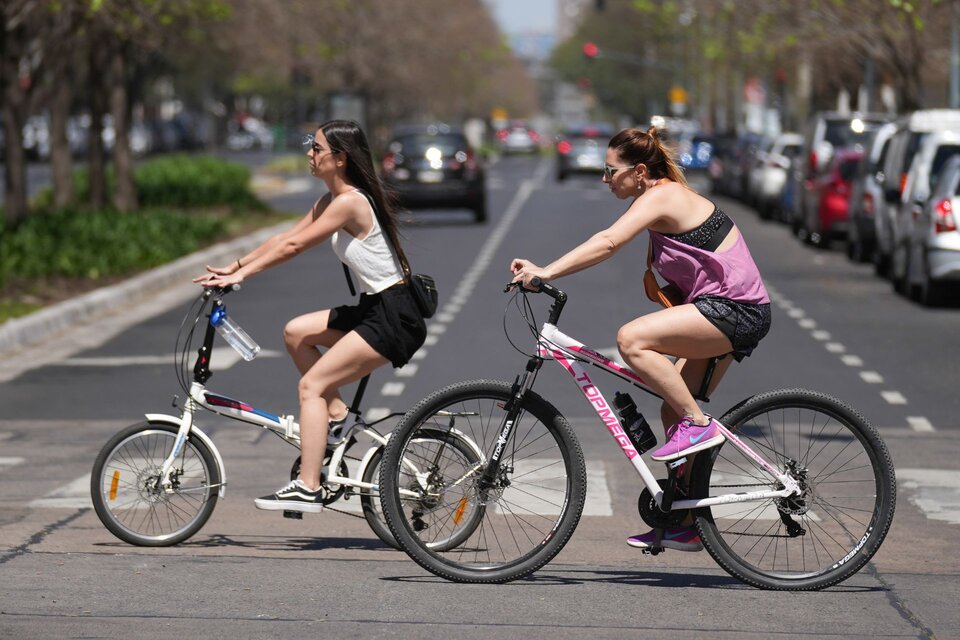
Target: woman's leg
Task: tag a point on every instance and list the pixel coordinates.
(348, 360)
(680, 331)
(302, 336)
(692, 371)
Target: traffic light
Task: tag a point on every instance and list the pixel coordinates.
(590, 50)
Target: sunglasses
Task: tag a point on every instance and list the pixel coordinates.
(610, 171)
(310, 141)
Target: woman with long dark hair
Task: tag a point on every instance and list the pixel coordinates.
(722, 306)
(384, 326)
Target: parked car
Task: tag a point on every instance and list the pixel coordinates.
(826, 133)
(866, 194)
(768, 177)
(735, 166)
(910, 133)
(434, 166)
(830, 193)
(933, 274)
(518, 138)
(696, 152)
(583, 150)
(910, 228)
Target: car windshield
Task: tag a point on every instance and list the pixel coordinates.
(587, 144)
(414, 144)
(840, 133)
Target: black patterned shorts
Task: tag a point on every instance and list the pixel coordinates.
(744, 324)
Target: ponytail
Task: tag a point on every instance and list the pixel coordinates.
(635, 147)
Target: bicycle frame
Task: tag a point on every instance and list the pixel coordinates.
(570, 353)
(284, 426)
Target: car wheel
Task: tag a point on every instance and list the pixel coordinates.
(899, 270)
(480, 211)
(931, 293)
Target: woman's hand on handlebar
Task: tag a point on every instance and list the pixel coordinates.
(224, 278)
(524, 273)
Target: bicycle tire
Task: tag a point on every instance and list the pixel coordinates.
(836, 449)
(138, 513)
(370, 500)
(534, 508)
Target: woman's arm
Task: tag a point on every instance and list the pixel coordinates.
(642, 213)
(311, 230)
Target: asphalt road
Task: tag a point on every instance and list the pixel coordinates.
(252, 574)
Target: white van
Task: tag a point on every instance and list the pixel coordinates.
(904, 144)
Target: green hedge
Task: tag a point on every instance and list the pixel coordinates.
(85, 243)
(178, 181)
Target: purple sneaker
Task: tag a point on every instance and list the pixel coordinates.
(686, 438)
(682, 539)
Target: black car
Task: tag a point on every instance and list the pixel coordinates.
(434, 166)
(582, 150)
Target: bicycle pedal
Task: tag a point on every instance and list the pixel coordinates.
(295, 515)
(652, 551)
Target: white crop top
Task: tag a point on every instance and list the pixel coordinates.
(371, 260)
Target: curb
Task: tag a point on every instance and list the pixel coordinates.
(20, 334)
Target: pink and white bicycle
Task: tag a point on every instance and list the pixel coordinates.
(799, 496)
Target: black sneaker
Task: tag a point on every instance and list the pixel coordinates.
(293, 497)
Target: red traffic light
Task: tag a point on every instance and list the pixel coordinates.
(590, 49)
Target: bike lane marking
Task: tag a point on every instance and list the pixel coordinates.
(890, 396)
(437, 325)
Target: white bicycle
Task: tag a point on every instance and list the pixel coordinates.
(156, 483)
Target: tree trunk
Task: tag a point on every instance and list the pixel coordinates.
(124, 194)
(61, 164)
(14, 116)
(98, 108)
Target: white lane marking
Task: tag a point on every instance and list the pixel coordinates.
(392, 389)
(436, 329)
(375, 413)
(919, 423)
(419, 354)
(75, 495)
(852, 361)
(11, 461)
(820, 335)
(431, 340)
(539, 485)
(796, 313)
(807, 323)
(893, 397)
(872, 377)
(835, 347)
(446, 316)
(222, 358)
(936, 492)
(407, 371)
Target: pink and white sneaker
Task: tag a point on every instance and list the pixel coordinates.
(681, 539)
(685, 438)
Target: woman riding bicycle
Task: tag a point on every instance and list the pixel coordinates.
(723, 308)
(385, 326)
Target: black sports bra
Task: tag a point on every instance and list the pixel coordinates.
(709, 235)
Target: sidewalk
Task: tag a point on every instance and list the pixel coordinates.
(89, 320)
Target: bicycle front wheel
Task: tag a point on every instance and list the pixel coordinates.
(126, 493)
(805, 542)
(502, 532)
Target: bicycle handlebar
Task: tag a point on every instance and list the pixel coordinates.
(560, 298)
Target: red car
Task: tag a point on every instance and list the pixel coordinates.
(831, 193)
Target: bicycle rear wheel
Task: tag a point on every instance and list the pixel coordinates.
(455, 454)
(506, 532)
(124, 486)
(805, 542)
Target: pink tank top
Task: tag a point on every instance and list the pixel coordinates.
(731, 274)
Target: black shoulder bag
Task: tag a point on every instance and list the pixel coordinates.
(423, 288)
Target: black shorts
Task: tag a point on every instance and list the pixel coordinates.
(388, 321)
(744, 324)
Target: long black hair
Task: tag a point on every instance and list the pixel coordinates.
(346, 136)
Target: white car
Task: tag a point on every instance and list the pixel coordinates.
(768, 176)
(926, 254)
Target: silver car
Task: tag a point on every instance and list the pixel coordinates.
(866, 196)
(926, 262)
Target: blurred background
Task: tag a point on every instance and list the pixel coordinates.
(767, 97)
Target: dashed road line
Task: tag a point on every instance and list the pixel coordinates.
(936, 492)
(75, 495)
(890, 396)
(10, 461)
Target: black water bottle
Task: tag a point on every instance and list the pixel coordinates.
(634, 423)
